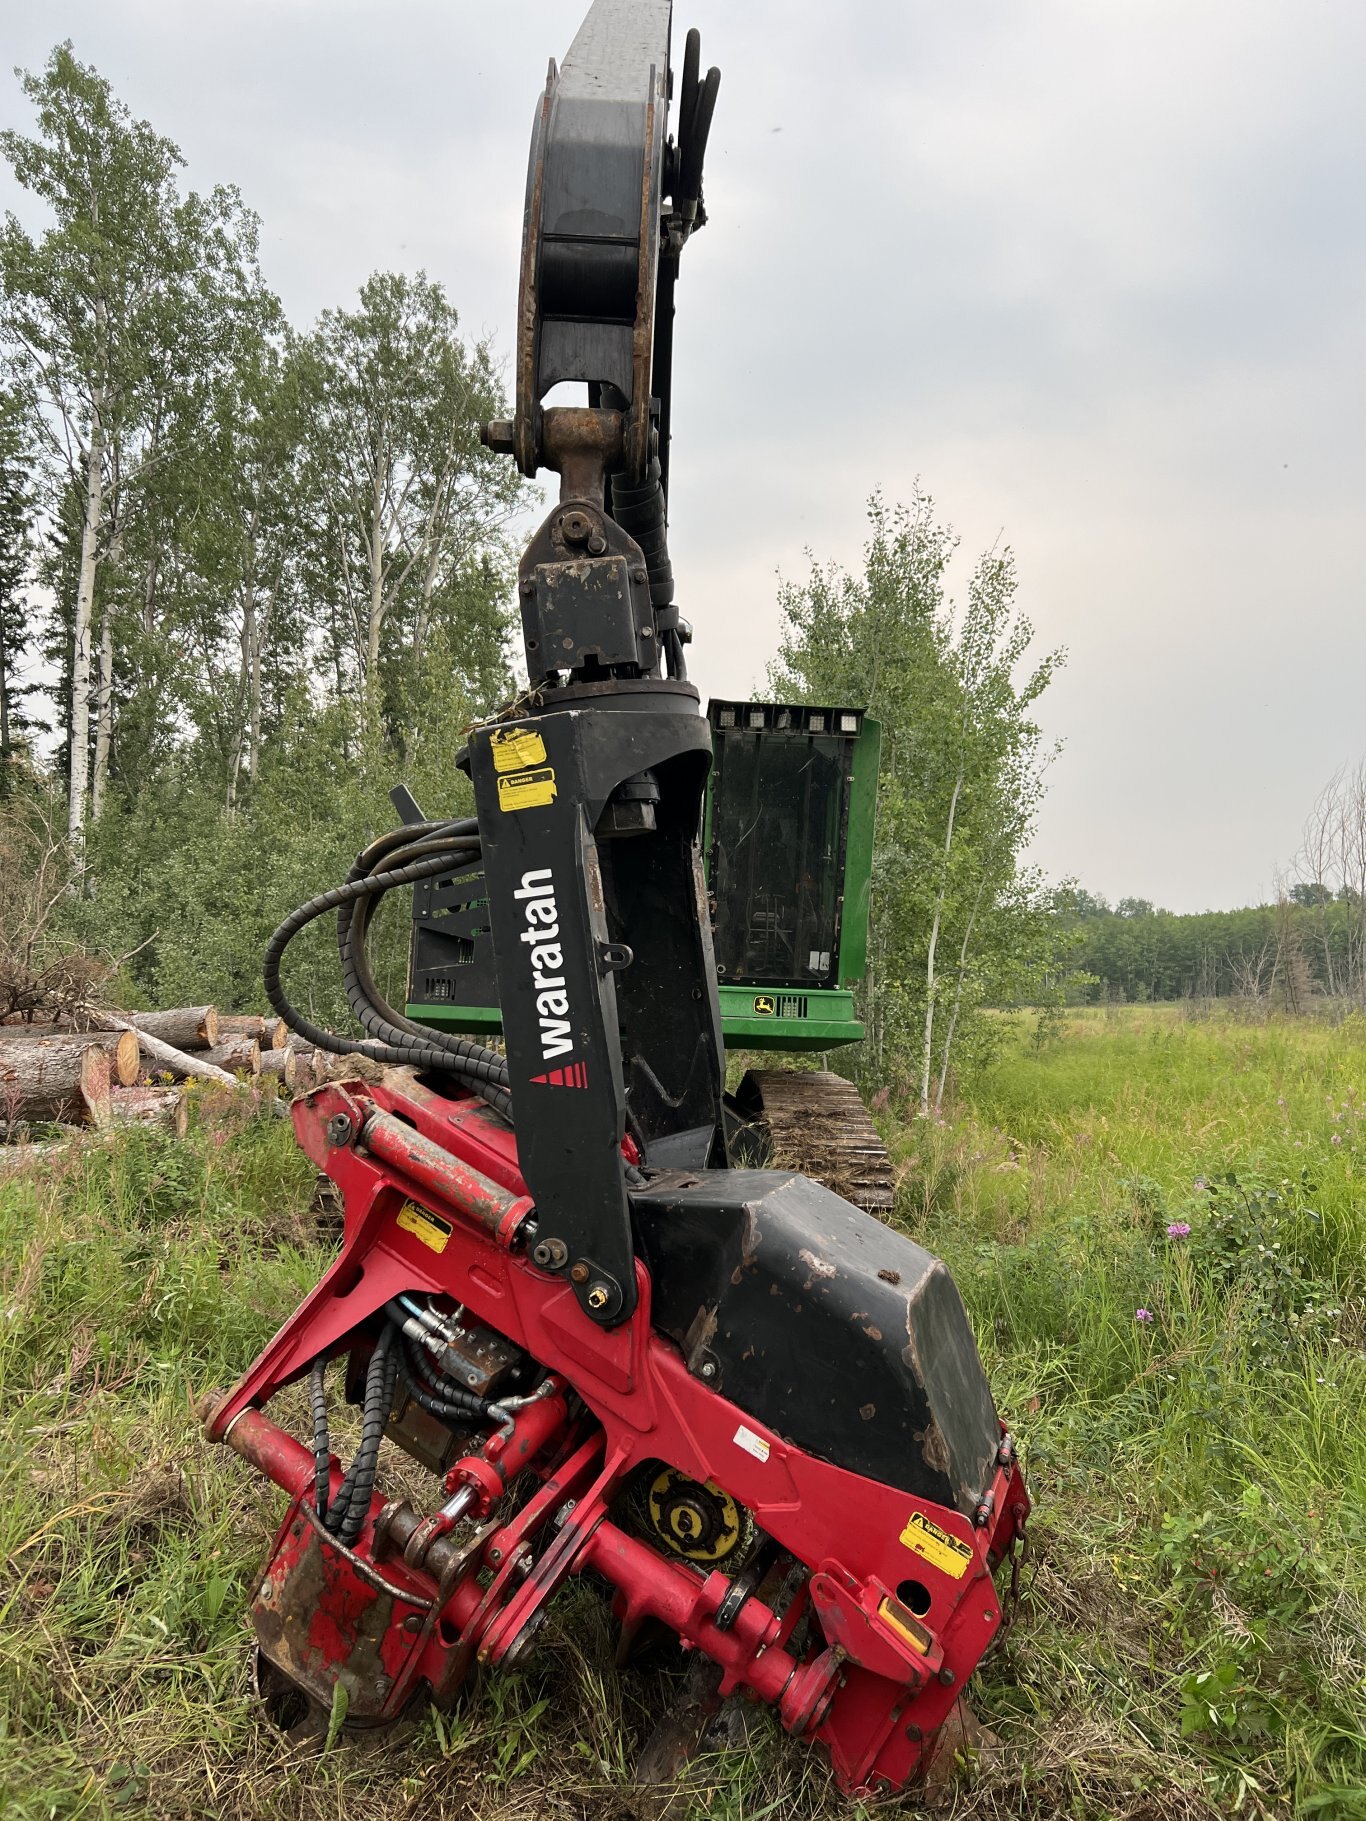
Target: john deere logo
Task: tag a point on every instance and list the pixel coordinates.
(765, 1005)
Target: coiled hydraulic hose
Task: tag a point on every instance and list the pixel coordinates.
(405, 856)
(392, 1360)
(345, 1515)
(452, 1403)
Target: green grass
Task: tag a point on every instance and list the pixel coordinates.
(1191, 1641)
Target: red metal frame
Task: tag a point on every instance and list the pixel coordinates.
(878, 1686)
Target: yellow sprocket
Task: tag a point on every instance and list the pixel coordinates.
(693, 1519)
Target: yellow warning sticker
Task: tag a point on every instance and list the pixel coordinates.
(429, 1228)
(527, 789)
(946, 1553)
(514, 750)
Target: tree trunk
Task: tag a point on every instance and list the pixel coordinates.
(104, 713)
(54, 1078)
(241, 1056)
(166, 1107)
(957, 996)
(285, 1065)
(931, 982)
(270, 1033)
(80, 650)
(4, 707)
(121, 1047)
(187, 1027)
(254, 689)
(376, 606)
(176, 1060)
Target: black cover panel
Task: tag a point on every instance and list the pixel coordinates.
(842, 1335)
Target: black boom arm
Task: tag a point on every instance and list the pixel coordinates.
(590, 799)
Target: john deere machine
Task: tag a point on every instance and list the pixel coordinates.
(788, 849)
(608, 1344)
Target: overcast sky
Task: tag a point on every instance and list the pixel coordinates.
(1094, 270)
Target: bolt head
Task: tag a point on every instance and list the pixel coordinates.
(709, 1369)
(580, 1273)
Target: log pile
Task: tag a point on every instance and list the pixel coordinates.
(99, 1070)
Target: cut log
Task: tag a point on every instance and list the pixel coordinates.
(240, 1056)
(232, 1025)
(166, 1107)
(270, 1033)
(169, 1057)
(29, 1156)
(121, 1047)
(187, 1027)
(54, 1078)
(285, 1065)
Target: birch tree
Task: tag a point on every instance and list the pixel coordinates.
(16, 563)
(957, 917)
(406, 497)
(112, 315)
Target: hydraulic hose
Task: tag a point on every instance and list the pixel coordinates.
(424, 852)
(322, 1441)
(347, 1514)
(451, 1403)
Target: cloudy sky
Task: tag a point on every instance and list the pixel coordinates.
(1094, 270)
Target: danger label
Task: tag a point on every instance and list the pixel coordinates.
(429, 1228)
(525, 781)
(946, 1553)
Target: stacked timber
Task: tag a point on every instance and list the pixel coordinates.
(97, 1070)
(270, 1033)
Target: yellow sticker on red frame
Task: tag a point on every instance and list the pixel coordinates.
(949, 1554)
(429, 1228)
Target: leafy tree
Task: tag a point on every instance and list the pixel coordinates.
(957, 918)
(407, 507)
(16, 562)
(114, 315)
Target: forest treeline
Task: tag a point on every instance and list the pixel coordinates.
(1303, 946)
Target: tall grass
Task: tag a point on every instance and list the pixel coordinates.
(1191, 1638)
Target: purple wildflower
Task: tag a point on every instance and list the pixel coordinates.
(1143, 1315)
(1336, 1138)
(1179, 1229)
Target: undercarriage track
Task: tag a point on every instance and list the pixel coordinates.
(814, 1122)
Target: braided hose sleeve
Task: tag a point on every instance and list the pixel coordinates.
(348, 1504)
(453, 1404)
(322, 1441)
(366, 1464)
(483, 1070)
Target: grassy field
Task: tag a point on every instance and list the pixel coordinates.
(1193, 1638)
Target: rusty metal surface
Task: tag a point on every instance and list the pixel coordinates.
(456, 1183)
(582, 446)
(324, 1616)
